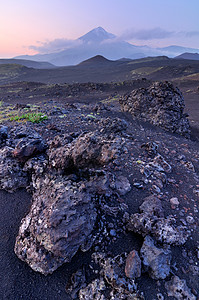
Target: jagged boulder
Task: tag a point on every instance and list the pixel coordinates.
(61, 219)
(89, 149)
(161, 104)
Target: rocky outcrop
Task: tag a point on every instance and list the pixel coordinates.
(61, 219)
(64, 210)
(161, 104)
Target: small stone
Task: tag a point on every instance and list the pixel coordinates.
(155, 260)
(190, 219)
(156, 189)
(113, 232)
(138, 185)
(160, 296)
(174, 201)
(133, 265)
(122, 185)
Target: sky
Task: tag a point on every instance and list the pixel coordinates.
(26, 25)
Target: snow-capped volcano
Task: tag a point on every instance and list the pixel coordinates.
(97, 35)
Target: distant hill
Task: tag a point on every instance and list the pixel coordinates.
(187, 55)
(174, 50)
(97, 60)
(27, 63)
(100, 69)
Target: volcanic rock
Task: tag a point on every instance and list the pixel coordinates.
(161, 104)
(88, 149)
(151, 221)
(28, 147)
(155, 260)
(61, 219)
(133, 265)
(152, 206)
(93, 291)
(178, 288)
(12, 176)
(3, 134)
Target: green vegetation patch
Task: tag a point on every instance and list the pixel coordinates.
(31, 117)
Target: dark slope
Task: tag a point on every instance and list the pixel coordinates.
(27, 63)
(18, 281)
(96, 61)
(99, 69)
(187, 55)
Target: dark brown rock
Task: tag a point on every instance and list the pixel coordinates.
(28, 147)
(133, 265)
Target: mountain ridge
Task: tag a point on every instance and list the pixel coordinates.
(100, 42)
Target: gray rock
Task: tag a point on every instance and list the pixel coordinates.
(151, 221)
(93, 291)
(155, 260)
(174, 201)
(12, 176)
(113, 125)
(178, 289)
(161, 104)
(122, 185)
(165, 231)
(3, 133)
(61, 219)
(133, 265)
(152, 206)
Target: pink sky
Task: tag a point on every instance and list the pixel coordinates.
(24, 23)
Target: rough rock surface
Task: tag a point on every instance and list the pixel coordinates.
(151, 222)
(12, 176)
(133, 265)
(88, 149)
(61, 219)
(113, 283)
(161, 104)
(3, 134)
(178, 289)
(94, 291)
(155, 260)
(126, 172)
(28, 147)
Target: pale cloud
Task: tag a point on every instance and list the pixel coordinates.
(56, 45)
(147, 34)
(191, 34)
